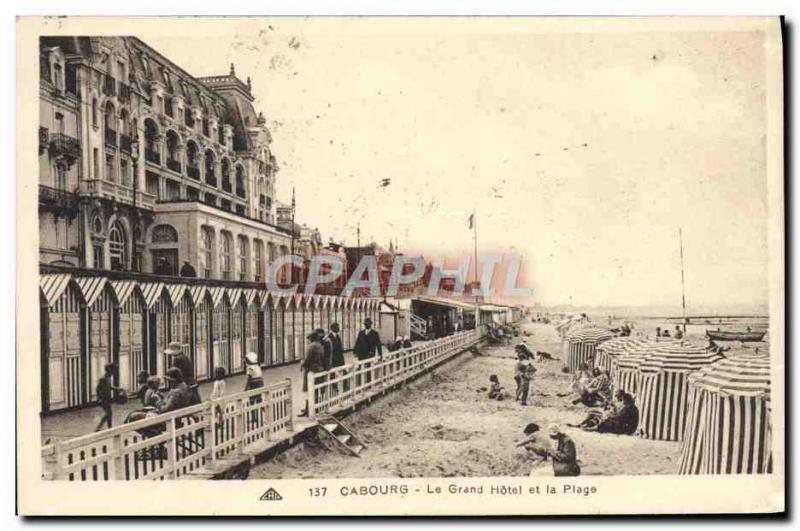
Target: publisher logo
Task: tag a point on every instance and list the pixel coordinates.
(271, 495)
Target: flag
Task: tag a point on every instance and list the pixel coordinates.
(472, 220)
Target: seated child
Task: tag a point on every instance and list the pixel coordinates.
(496, 391)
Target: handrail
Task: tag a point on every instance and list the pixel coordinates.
(176, 443)
(349, 384)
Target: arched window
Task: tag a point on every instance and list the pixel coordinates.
(151, 151)
(206, 251)
(164, 234)
(109, 118)
(95, 114)
(241, 249)
(172, 152)
(117, 247)
(226, 175)
(125, 128)
(225, 251)
(240, 181)
(211, 177)
(192, 169)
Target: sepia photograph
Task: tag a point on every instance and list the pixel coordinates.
(420, 263)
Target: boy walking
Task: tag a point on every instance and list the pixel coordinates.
(105, 395)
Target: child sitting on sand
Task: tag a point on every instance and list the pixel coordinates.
(496, 391)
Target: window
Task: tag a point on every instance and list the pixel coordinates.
(164, 234)
(95, 116)
(124, 173)
(117, 247)
(96, 163)
(97, 256)
(206, 252)
(242, 249)
(109, 168)
(225, 255)
(58, 77)
(59, 123)
(259, 260)
(61, 233)
(61, 176)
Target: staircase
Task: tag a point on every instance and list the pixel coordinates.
(345, 438)
(419, 328)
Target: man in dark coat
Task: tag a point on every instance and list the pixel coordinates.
(179, 395)
(368, 342)
(313, 362)
(337, 349)
(187, 270)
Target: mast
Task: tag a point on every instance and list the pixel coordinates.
(683, 284)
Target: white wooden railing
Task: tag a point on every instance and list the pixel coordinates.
(349, 384)
(174, 444)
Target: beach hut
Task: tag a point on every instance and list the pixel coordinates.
(663, 387)
(625, 366)
(582, 346)
(728, 429)
(608, 350)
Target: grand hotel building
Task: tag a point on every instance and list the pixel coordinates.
(143, 167)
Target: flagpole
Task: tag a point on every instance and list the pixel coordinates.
(475, 239)
(683, 284)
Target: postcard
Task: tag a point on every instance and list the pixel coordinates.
(400, 266)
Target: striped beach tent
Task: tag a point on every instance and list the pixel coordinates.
(729, 430)
(582, 345)
(608, 350)
(663, 387)
(625, 366)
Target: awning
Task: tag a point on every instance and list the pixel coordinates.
(53, 286)
(91, 288)
(216, 295)
(198, 293)
(234, 294)
(151, 292)
(123, 290)
(176, 292)
(450, 303)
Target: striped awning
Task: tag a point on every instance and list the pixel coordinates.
(634, 354)
(216, 293)
(234, 294)
(678, 357)
(176, 292)
(123, 289)
(91, 288)
(592, 334)
(151, 292)
(249, 295)
(743, 375)
(197, 293)
(53, 286)
(266, 299)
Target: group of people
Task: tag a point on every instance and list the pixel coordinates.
(523, 376)
(181, 388)
(400, 342)
(678, 334)
(618, 412)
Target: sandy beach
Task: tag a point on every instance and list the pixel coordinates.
(443, 425)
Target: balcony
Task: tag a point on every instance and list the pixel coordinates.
(151, 155)
(111, 137)
(211, 201)
(64, 145)
(125, 143)
(193, 172)
(58, 200)
(117, 192)
(174, 165)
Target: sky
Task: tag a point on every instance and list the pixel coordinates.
(582, 152)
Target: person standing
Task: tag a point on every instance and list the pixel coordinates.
(105, 395)
(187, 270)
(181, 361)
(255, 380)
(368, 344)
(312, 363)
(336, 354)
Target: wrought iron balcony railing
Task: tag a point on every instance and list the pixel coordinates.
(65, 145)
(174, 165)
(44, 139)
(111, 137)
(151, 155)
(57, 199)
(125, 142)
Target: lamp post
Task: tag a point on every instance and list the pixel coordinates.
(135, 161)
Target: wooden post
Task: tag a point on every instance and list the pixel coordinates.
(240, 419)
(289, 406)
(311, 396)
(212, 426)
(117, 469)
(173, 448)
(268, 413)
